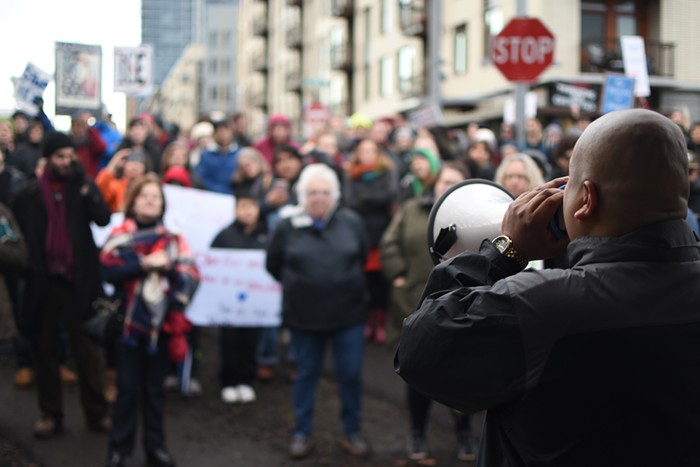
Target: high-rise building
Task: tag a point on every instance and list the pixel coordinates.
(169, 26)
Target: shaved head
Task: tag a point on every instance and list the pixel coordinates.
(637, 161)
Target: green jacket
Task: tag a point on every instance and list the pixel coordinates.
(404, 252)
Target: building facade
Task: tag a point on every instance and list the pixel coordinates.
(373, 56)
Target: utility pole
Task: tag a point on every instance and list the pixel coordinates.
(433, 55)
(521, 90)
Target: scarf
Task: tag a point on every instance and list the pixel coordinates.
(59, 251)
(366, 172)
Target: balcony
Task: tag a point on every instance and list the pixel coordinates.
(258, 98)
(259, 62)
(293, 37)
(412, 18)
(293, 83)
(342, 8)
(294, 2)
(413, 86)
(260, 28)
(600, 55)
(341, 57)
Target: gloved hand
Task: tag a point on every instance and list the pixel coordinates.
(177, 326)
(176, 323)
(177, 348)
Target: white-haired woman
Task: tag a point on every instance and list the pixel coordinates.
(518, 173)
(318, 255)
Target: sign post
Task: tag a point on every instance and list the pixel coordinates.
(522, 51)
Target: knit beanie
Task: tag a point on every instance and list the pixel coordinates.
(55, 141)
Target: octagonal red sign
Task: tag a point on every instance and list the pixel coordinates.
(523, 49)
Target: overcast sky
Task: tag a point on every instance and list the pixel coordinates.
(30, 28)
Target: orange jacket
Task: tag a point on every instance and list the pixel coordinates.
(113, 189)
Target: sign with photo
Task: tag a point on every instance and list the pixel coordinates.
(78, 77)
(133, 70)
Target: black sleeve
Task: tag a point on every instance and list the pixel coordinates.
(463, 346)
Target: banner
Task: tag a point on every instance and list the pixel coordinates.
(235, 288)
(29, 86)
(133, 70)
(78, 77)
(618, 93)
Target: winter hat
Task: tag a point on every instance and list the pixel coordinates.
(360, 120)
(55, 141)
(433, 160)
(178, 175)
(201, 129)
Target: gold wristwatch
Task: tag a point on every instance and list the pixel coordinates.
(504, 245)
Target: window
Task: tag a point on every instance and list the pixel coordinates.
(406, 60)
(493, 23)
(460, 50)
(213, 36)
(386, 16)
(386, 77)
(367, 37)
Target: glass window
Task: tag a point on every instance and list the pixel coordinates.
(386, 77)
(406, 60)
(460, 50)
(386, 16)
(493, 23)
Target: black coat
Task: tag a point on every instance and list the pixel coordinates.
(321, 271)
(30, 211)
(234, 236)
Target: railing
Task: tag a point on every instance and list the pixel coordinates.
(599, 55)
(413, 86)
(341, 57)
(342, 8)
(259, 62)
(260, 25)
(294, 2)
(294, 37)
(293, 83)
(412, 17)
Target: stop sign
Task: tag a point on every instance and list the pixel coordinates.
(523, 49)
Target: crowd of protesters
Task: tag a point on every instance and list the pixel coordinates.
(342, 215)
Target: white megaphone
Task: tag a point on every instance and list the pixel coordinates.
(464, 216)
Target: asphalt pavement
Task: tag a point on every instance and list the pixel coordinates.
(205, 432)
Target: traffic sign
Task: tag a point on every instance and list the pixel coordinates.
(523, 49)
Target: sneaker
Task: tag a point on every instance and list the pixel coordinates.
(467, 448)
(416, 447)
(46, 427)
(67, 375)
(230, 395)
(172, 383)
(299, 447)
(246, 393)
(195, 388)
(24, 377)
(356, 445)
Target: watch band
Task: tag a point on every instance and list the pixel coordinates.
(504, 244)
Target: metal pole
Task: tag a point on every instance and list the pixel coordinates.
(521, 90)
(433, 55)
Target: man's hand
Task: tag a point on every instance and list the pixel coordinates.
(157, 261)
(526, 220)
(118, 160)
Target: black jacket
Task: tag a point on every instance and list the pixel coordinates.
(234, 236)
(321, 271)
(30, 211)
(593, 365)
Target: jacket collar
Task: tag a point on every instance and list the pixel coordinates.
(667, 241)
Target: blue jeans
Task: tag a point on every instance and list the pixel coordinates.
(348, 346)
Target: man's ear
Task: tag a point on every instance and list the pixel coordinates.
(589, 203)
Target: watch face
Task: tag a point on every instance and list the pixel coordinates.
(502, 243)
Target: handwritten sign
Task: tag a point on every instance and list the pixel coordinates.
(618, 93)
(235, 289)
(29, 86)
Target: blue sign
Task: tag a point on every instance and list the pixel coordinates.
(618, 93)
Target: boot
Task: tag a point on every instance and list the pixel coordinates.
(380, 327)
(110, 386)
(370, 325)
